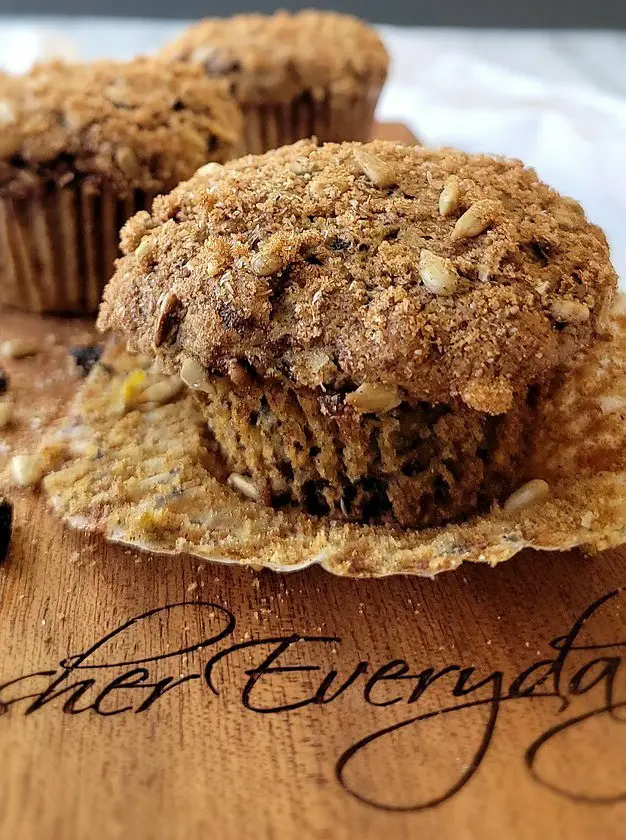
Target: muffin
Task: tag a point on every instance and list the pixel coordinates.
(84, 147)
(295, 75)
(370, 329)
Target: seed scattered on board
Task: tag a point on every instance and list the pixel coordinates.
(27, 470)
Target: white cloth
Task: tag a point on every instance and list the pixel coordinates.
(555, 100)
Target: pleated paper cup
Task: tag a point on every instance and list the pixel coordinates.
(57, 249)
(329, 119)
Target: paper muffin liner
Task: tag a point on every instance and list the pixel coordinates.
(132, 461)
(329, 119)
(57, 249)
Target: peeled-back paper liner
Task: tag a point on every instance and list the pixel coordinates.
(57, 249)
(145, 474)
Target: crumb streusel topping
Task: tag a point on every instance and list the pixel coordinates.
(432, 272)
(275, 58)
(138, 125)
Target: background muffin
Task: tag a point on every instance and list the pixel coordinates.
(82, 148)
(295, 75)
(368, 328)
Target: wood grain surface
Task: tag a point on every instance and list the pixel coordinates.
(469, 706)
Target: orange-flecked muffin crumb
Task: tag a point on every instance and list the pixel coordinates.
(369, 328)
(295, 74)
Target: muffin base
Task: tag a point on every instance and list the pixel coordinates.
(415, 466)
(57, 249)
(271, 126)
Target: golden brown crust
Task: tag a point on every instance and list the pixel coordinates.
(307, 263)
(275, 58)
(139, 125)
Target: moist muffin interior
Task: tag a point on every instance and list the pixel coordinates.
(416, 465)
(368, 328)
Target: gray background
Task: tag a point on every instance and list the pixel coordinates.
(596, 14)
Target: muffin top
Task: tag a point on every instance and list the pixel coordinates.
(435, 272)
(137, 125)
(274, 58)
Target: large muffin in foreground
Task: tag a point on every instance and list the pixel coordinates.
(82, 148)
(369, 328)
(295, 74)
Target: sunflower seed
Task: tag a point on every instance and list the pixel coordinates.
(16, 348)
(27, 470)
(475, 220)
(127, 161)
(218, 61)
(450, 197)
(167, 322)
(569, 311)
(244, 486)
(528, 494)
(194, 375)
(144, 248)
(379, 173)
(208, 169)
(370, 397)
(161, 392)
(437, 273)
(266, 263)
(214, 266)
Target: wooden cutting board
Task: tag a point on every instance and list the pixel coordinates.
(156, 697)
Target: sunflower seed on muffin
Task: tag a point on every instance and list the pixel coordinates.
(476, 219)
(570, 311)
(244, 486)
(379, 172)
(437, 273)
(529, 494)
(370, 397)
(450, 196)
